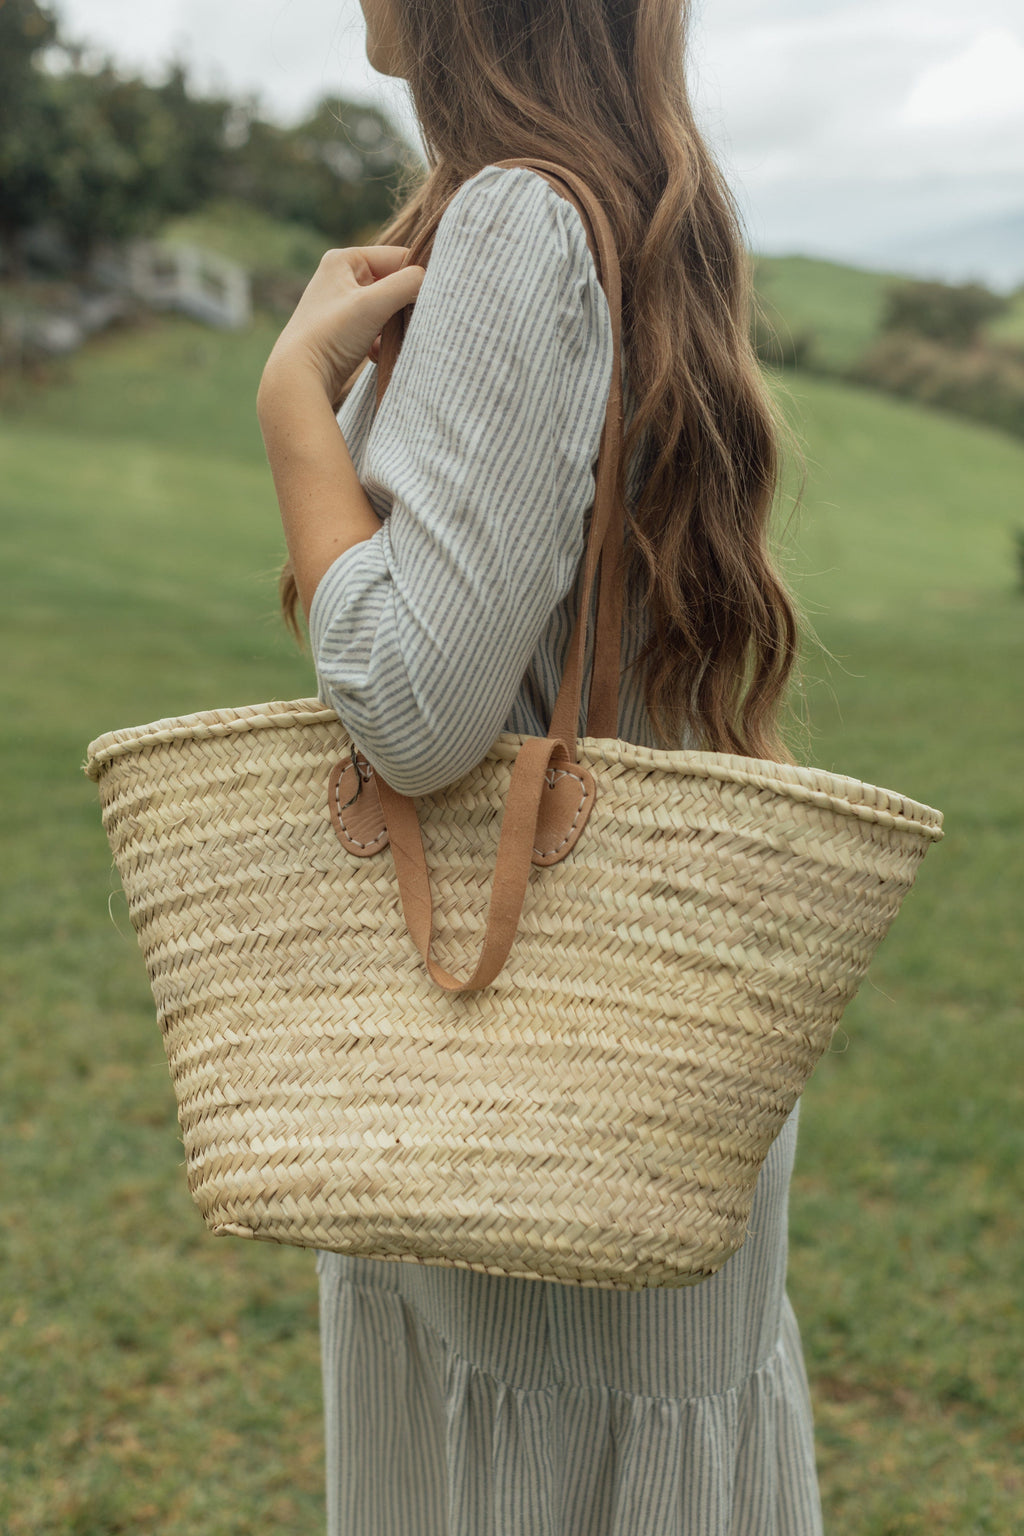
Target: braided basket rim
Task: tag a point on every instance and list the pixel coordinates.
(816, 786)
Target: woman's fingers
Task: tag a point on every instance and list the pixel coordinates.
(384, 259)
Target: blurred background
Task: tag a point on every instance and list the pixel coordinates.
(169, 177)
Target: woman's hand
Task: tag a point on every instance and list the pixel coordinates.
(338, 320)
(336, 324)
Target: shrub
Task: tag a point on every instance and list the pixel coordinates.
(945, 312)
(985, 382)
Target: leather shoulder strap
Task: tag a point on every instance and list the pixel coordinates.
(532, 775)
(605, 543)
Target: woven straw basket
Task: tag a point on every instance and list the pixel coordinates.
(669, 943)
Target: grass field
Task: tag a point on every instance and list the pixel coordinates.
(154, 1380)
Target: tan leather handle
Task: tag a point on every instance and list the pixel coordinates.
(512, 867)
(516, 844)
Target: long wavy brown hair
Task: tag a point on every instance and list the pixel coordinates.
(601, 83)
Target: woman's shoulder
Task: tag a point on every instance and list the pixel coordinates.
(518, 208)
(507, 184)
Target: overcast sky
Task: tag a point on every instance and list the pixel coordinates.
(856, 129)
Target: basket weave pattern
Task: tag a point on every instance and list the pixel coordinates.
(561, 1053)
(600, 1113)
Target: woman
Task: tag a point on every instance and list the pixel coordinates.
(434, 547)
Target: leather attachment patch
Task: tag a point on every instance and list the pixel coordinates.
(566, 802)
(358, 816)
(356, 812)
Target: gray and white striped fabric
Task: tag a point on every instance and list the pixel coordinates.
(449, 625)
(460, 1404)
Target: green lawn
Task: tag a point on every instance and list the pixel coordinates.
(905, 1256)
(155, 1380)
(169, 384)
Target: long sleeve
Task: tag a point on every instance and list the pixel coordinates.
(481, 462)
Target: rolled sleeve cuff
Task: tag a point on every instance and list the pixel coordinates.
(344, 617)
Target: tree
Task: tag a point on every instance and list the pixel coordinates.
(99, 157)
(25, 30)
(941, 311)
(88, 155)
(336, 171)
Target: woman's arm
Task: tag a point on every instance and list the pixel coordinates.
(323, 507)
(479, 467)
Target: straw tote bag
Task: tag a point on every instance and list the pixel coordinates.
(545, 1022)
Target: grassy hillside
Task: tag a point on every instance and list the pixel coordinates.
(908, 510)
(1010, 327)
(171, 384)
(842, 304)
(153, 1380)
(245, 234)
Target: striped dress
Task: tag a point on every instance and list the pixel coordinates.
(457, 1403)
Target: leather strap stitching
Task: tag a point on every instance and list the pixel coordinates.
(341, 818)
(564, 773)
